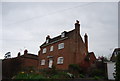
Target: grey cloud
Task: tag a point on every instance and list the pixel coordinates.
(27, 24)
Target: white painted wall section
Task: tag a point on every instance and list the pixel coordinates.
(111, 70)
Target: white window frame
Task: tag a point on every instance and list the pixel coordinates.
(44, 50)
(43, 62)
(61, 46)
(60, 60)
(51, 48)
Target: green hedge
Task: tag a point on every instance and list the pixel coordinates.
(29, 76)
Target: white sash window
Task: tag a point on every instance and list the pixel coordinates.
(51, 48)
(43, 62)
(60, 60)
(44, 50)
(61, 46)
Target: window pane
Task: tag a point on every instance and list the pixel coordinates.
(51, 48)
(43, 62)
(61, 46)
(60, 60)
(44, 50)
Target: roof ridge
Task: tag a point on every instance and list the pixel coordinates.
(58, 37)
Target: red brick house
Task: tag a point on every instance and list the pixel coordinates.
(63, 50)
(11, 66)
(90, 61)
(28, 59)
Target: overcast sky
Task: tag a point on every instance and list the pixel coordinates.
(25, 25)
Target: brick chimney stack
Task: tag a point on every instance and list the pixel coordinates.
(25, 52)
(19, 54)
(48, 37)
(77, 26)
(77, 33)
(86, 41)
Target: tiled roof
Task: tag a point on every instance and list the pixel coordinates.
(29, 55)
(113, 57)
(117, 49)
(67, 34)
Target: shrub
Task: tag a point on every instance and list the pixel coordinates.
(37, 76)
(22, 76)
(96, 77)
(50, 71)
(29, 69)
(55, 77)
(28, 76)
(63, 75)
(81, 76)
(60, 75)
(96, 72)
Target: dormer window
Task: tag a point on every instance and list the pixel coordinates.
(47, 41)
(63, 34)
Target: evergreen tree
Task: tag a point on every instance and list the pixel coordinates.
(117, 78)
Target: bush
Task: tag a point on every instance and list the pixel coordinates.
(54, 74)
(96, 72)
(23, 75)
(60, 75)
(50, 71)
(36, 76)
(55, 77)
(63, 75)
(81, 76)
(29, 69)
(96, 77)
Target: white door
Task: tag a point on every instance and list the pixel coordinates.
(50, 63)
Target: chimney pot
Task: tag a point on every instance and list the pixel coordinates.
(86, 41)
(19, 54)
(77, 26)
(26, 51)
(48, 37)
